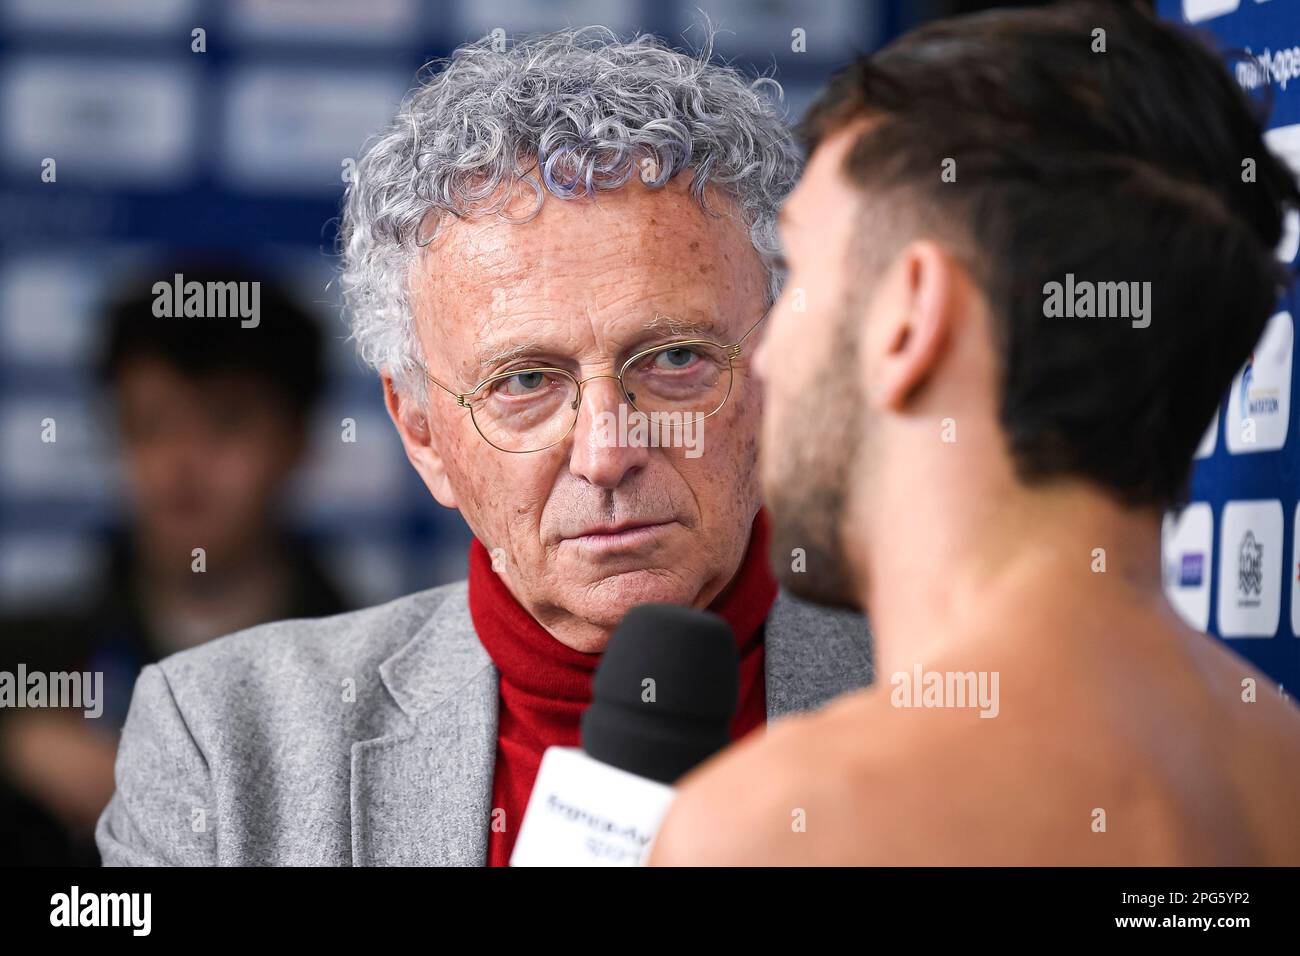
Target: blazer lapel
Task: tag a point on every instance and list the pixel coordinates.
(421, 796)
(812, 655)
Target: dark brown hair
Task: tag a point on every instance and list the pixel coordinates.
(1122, 165)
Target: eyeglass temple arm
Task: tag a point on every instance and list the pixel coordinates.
(735, 349)
(459, 396)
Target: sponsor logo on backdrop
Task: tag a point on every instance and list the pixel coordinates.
(1295, 574)
(1192, 570)
(1250, 569)
(1186, 543)
(1278, 67)
(1194, 11)
(1259, 403)
(1284, 142)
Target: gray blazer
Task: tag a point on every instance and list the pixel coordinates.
(366, 738)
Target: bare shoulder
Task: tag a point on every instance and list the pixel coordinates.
(1078, 767)
(792, 796)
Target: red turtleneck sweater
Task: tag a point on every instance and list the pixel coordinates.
(545, 686)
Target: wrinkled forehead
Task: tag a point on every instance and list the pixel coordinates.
(587, 277)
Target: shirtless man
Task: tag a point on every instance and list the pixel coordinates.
(988, 476)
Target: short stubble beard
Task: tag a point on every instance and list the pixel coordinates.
(817, 465)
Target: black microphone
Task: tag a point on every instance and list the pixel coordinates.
(663, 699)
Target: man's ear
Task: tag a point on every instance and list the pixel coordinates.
(911, 323)
(417, 438)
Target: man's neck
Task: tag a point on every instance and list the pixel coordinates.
(938, 575)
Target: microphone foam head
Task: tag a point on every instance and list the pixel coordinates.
(664, 693)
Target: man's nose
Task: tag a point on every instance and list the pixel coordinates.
(602, 453)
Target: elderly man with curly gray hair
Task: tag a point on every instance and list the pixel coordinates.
(557, 258)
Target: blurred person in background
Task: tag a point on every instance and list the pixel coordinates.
(213, 417)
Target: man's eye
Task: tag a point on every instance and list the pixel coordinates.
(523, 383)
(670, 359)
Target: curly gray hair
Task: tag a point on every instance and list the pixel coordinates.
(568, 113)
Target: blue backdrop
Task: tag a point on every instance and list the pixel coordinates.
(1230, 557)
(243, 145)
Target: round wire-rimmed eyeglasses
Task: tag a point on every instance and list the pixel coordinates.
(525, 410)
